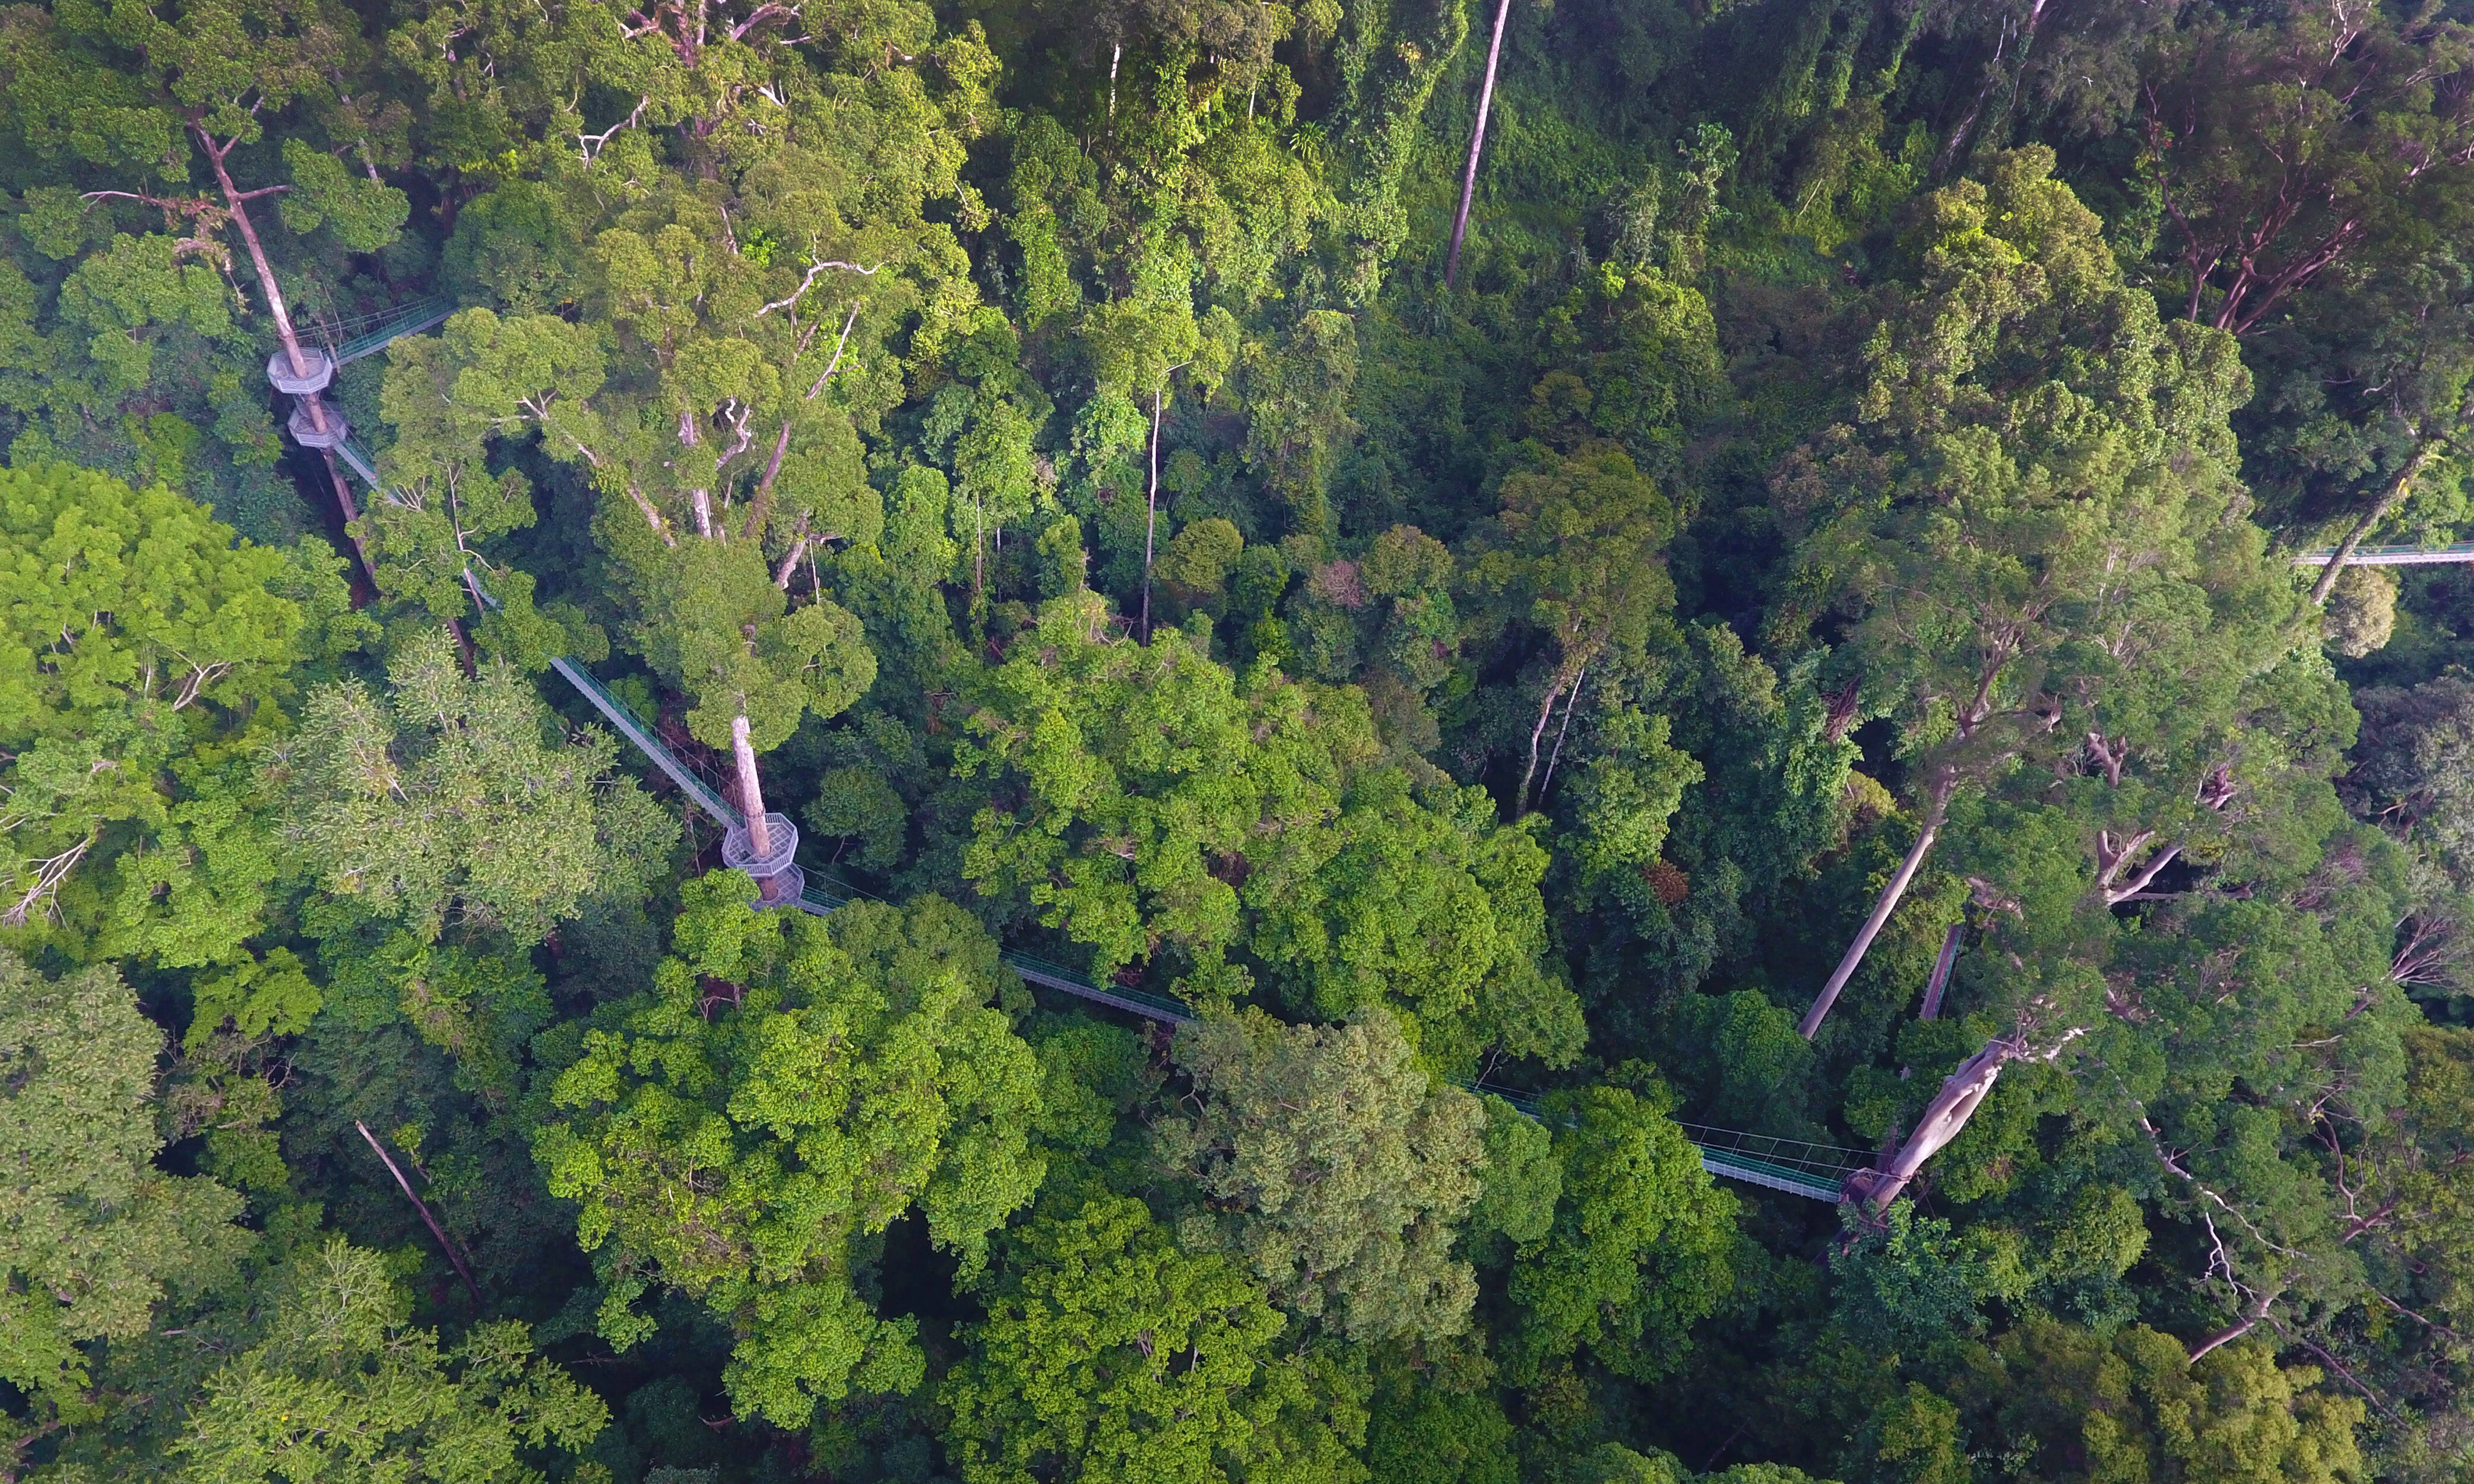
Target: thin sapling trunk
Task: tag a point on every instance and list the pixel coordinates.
(1537, 733)
(427, 1219)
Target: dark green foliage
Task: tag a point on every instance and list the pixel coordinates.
(1849, 497)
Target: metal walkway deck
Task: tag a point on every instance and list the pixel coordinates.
(2389, 556)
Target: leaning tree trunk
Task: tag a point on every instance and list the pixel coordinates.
(1477, 143)
(237, 202)
(2423, 454)
(1887, 904)
(1961, 1094)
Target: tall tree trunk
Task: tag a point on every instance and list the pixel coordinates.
(751, 796)
(1940, 980)
(1477, 143)
(277, 310)
(351, 516)
(1151, 516)
(1521, 798)
(1881, 909)
(1959, 1097)
(763, 499)
(2403, 485)
(274, 305)
(1561, 731)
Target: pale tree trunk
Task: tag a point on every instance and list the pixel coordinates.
(236, 204)
(1887, 904)
(2403, 485)
(427, 1220)
(1940, 980)
(1561, 732)
(751, 796)
(1536, 734)
(1962, 1095)
(2251, 1316)
(1151, 516)
(1477, 143)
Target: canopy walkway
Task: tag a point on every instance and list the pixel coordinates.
(2388, 556)
(371, 334)
(1791, 1166)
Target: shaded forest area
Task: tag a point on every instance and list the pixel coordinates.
(1791, 588)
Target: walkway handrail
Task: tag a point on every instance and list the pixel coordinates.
(2389, 556)
(411, 320)
(635, 730)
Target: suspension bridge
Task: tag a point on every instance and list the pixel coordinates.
(2389, 556)
(1793, 1167)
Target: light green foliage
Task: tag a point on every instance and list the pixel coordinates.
(750, 1125)
(446, 800)
(91, 1234)
(1517, 1187)
(1420, 899)
(2362, 611)
(134, 628)
(1641, 1248)
(1111, 1355)
(124, 600)
(1089, 1075)
(207, 882)
(1645, 349)
(272, 996)
(1153, 802)
(1139, 764)
(429, 528)
(2136, 1409)
(857, 802)
(1577, 557)
(1622, 800)
(2113, 443)
(343, 1387)
(1613, 1463)
(700, 600)
(1198, 558)
(1336, 1170)
(363, 212)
